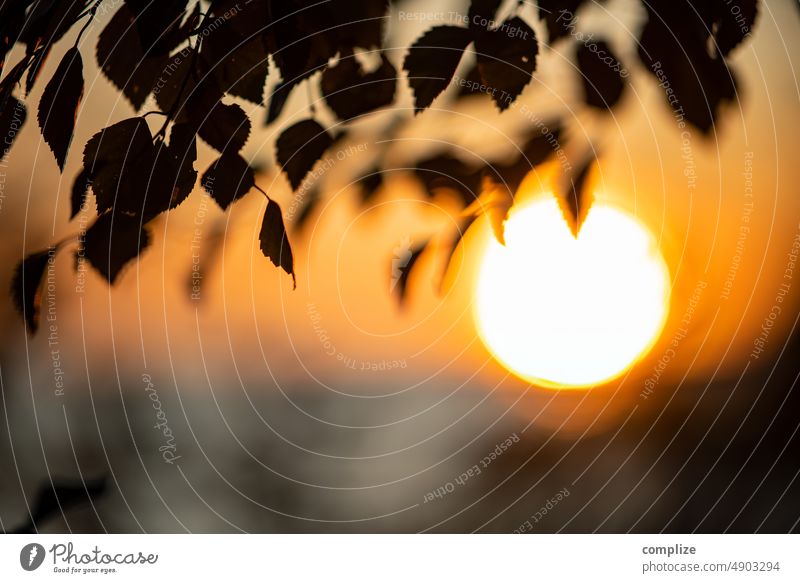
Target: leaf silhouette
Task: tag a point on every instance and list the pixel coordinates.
(536, 150)
(46, 23)
(730, 28)
(370, 183)
(239, 64)
(169, 176)
(299, 147)
(158, 24)
(304, 40)
(80, 189)
(58, 106)
(495, 202)
(55, 496)
(673, 48)
(12, 118)
(278, 99)
(358, 24)
(228, 179)
(26, 287)
(310, 204)
(183, 154)
(177, 82)
(400, 281)
(12, 21)
(507, 59)
(114, 159)
(482, 12)
(432, 61)
(125, 61)
(576, 198)
(113, 241)
(225, 127)
(446, 171)
(602, 83)
(461, 230)
(350, 92)
(274, 242)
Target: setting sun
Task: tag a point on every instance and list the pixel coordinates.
(564, 312)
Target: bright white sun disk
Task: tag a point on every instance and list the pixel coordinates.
(565, 312)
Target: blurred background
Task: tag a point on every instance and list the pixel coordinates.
(230, 402)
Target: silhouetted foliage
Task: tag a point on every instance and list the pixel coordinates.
(299, 147)
(274, 242)
(432, 61)
(602, 83)
(576, 198)
(228, 179)
(194, 58)
(58, 106)
(506, 59)
(80, 189)
(112, 242)
(26, 287)
(538, 149)
(350, 92)
(446, 171)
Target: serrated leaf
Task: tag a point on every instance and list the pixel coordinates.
(80, 189)
(432, 61)
(124, 60)
(351, 93)
(304, 39)
(575, 197)
(507, 59)
(12, 118)
(168, 178)
(119, 160)
(183, 153)
(674, 49)
(733, 27)
(278, 99)
(274, 242)
(239, 64)
(602, 82)
(357, 24)
(46, 24)
(228, 179)
(112, 242)
(482, 12)
(225, 127)
(536, 150)
(26, 287)
(58, 106)
(158, 24)
(299, 147)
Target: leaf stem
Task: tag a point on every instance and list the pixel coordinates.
(91, 12)
(259, 189)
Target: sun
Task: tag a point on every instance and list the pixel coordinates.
(563, 312)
